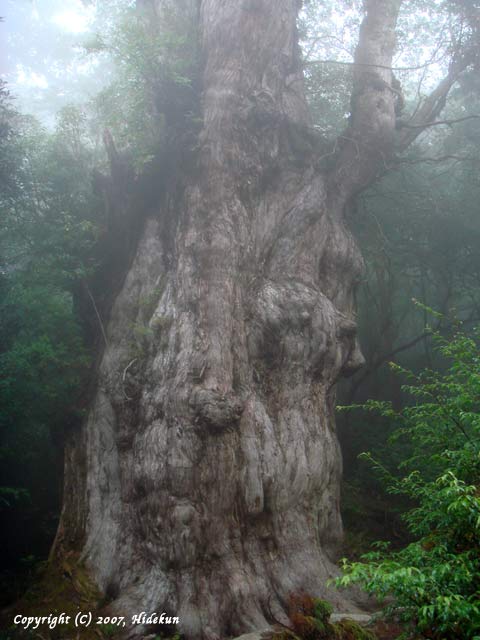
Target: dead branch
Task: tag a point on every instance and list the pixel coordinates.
(424, 125)
(426, 114)
(436, 160)
(382, 359)
(97, 313)
(309, 63)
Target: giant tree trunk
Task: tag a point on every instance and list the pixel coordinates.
(205, 481)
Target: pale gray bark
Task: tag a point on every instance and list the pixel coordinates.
(206, 479)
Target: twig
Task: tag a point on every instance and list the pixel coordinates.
(433, 124)
(382, 359)
(96, 312)
(366, 64)
(436, 160)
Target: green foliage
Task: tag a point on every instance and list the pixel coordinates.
(8, 155)
(42, 359)
(434, 582)
(47, 226)
(108, 630)
(49, 220)
(155, 61)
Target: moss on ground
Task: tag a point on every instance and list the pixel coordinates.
(61, 586)
(310, 620)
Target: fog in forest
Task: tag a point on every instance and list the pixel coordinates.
(239, 311)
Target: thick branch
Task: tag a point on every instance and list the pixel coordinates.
(374, 133)
(368, 140)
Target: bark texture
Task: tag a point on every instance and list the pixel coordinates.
(205, 482)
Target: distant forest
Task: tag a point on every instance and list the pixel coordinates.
(235, 239)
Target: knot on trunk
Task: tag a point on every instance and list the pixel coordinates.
(296, 326)
(214, 410)
(354, 359)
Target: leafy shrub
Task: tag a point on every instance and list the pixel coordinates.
(433, 584)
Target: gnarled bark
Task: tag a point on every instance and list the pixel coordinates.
(206, 479)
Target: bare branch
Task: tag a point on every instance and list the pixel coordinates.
(374, 66)
(424, 125)
(428, 112)
(386, 357)
(435, 160)
(97, 313)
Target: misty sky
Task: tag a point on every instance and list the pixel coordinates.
(41, 53)
(46, 67)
